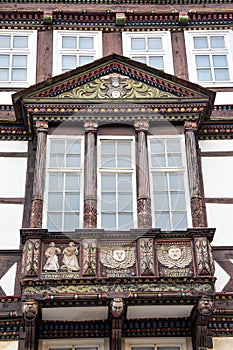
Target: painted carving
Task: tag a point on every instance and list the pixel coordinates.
(30, 310)
(175, 259)
(70, 261)
(118, 260)
(115, 86)
(51, 254)
(89, 257)
(30, 265)
(117, 307)
(205, 306)
(202, 256)
(146, 257)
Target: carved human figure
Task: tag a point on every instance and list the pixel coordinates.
(51, 254)
(70, 261)
(30, 310)
(117, 307)
(205, 305)
(174, 253)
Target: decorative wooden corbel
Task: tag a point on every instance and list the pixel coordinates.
(30, 313)
(117, 310)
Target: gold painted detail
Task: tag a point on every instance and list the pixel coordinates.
(174, 256)
(117, 257)
(114, 86)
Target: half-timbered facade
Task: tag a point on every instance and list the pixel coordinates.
(116, 175)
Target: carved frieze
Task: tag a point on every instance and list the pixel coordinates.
(174, 258)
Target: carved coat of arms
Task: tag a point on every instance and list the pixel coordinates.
(174, 256)
(117, 257)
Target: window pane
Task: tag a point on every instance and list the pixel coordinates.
(68, 62)
(174, 160)
(108, 147)
(173, 146)
(5, 41)
(204, 75)
(200, 42)
(217, 42)
(73, 147)
(108, 161)
(54, 222)
(4, 60)
(142, 348)
(157, 147)
(72, 201)
(4, 74)
(179, 221)
(202, 61)
(19, 61)
(72, 182)
(141, 59)
(125, 221)
(158, 161)
(19, 74)
(155, 44)
(124, 148)
(56, 160)
(55, 201)
(138, 44)
(178, 201)
(20, 42)
(221, 74)
(124, 182)
(69, 42)
(176, 181)
(162, 220)
(86, 43)
(161, 201)
(160, 182)
(124, 162)
(85, 59)
(108, 221)
(156, 62)
(108, 201)
(220, 61)
(57, 146)
(108, 182)
(168, 348)
(125, 202)
(73, 161)
(55, 181)
(71, 221)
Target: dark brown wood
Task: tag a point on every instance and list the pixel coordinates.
(11, 200)
(179, 55)
(13, 154)
(217, 154)
(112, 43)
(45, 55)
(219, 200)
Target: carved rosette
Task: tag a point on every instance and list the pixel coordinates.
(90, 213)
(198, 212)
(31, 258)
(144, 213)
(36, 213)
(202, 256)
(146, 257)
(89, 257)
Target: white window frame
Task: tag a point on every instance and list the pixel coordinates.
(72, 343)
(157, 342)
(166, 52)
(192, 52)
(182, 169)
(30, 52)
(58, 50)
(67, 170)
(109, 170)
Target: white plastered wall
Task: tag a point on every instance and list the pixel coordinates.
(223, 343)
(9, 345)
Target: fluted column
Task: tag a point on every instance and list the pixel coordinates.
(197, 205)
(90, 191)
(39, 175)
(143, 188)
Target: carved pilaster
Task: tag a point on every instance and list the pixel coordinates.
(200, 319)
(146, 256)
(197, 204)
(31, 258)
(204, 265)
(117, 308)
(143, 188)
(89, 257)
(90, 196)
(39, 175)
(30, 313)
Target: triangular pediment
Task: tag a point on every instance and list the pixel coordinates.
(117, 81)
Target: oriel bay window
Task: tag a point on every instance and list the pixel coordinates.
(116, 183)
(64, 183)
(168, 183)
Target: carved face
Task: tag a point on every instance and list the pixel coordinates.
(174, 253)
(119, 255)
(117, 307)
(30, 310)
(205, 305)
